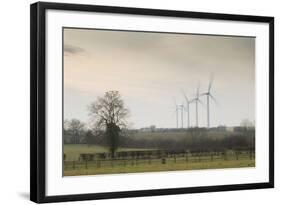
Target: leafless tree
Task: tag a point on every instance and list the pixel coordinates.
(109, 109)
(109, 113)
(247, 123)
(75, 128)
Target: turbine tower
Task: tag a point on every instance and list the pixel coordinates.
(187, 108)
(209, 95)
(177, 114)
(196, 100)
(181, 107)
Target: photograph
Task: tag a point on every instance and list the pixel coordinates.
(145, 101)
(140, 101)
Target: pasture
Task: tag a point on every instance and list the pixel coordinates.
(73, 151)
(187, 161)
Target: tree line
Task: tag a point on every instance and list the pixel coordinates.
(195, 139)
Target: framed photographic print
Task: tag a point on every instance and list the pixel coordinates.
(129, 102)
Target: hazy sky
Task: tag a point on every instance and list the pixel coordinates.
(150, 69)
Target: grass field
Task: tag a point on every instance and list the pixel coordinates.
(154, 167)
(74, 167)
(73, 151)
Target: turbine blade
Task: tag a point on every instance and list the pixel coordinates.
(200, 101)
(211, 82)
(197, 91)
(184, 95)
(202, 94)
(183, 107)
(192, 100)
(215, 100)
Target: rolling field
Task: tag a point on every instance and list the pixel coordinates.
(74, 167)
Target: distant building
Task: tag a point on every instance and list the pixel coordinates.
(151, 128)
(230, 129)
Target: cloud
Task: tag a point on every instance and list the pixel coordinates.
(148, 69)
(70, 49)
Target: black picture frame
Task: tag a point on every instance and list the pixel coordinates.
(38, 101)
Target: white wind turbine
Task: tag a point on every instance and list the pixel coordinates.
(209, 95)
(181, 107)
(196, 100)
(178, 108)
(187, 101)
(177, 113)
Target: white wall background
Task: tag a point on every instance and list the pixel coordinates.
(14, 101)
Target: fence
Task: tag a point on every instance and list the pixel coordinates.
(152, 160)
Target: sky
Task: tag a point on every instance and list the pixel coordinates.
(150, 70)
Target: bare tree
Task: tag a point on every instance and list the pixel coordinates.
(75, 129)
(66, 137)
(109, 113)
(248, 129)
(247, 123)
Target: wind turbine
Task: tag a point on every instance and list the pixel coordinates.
(196, 100)
(187, 108)
(209, 95)
(181, 107)
(177, 110)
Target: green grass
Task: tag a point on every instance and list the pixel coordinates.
(158, 166)
(73, 151)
